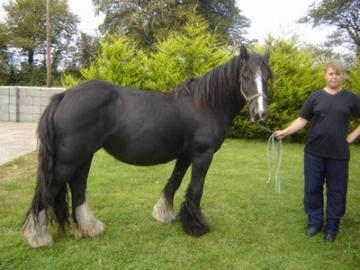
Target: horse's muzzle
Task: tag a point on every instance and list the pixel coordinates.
(257, 116)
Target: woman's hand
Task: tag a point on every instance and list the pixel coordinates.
(280, 134)
(298, 124)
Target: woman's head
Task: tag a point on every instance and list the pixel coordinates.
(334, 73)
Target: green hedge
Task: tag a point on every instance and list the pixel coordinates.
(182, 56)
(170, 62)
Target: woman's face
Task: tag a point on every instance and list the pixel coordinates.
(333, 78)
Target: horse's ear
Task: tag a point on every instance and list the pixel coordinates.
(244, 55)
(266, 56)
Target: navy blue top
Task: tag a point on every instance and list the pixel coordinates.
(330, 116)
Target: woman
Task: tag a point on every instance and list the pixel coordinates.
(326, 154)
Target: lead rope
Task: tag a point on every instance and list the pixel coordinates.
(274, 157)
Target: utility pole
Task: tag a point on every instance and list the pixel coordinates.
(48, 44)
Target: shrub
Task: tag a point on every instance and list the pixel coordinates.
(171, 61)
(353, 82)
(182, 56)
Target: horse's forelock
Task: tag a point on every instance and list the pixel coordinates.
(256, 62)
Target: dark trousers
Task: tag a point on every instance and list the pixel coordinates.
(334, 173)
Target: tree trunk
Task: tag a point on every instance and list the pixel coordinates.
(48, 44)
(31, 58)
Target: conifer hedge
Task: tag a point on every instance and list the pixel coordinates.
(194, 52)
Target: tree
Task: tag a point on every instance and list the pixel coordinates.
(343, 14)
(4, 59)
(26, 27)
(225, 17)
(82, 53)
(88, 48)
(48, 45)
(148, 20)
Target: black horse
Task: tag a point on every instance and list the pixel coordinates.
(188, 124)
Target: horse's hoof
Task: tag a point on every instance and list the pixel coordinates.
(36, 233)
(193, 224)
(196, 230)
(90, 229)
(86, 224)
(35, 238)
(163, 211)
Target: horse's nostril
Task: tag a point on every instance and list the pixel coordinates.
(259, 115)
(263, 115)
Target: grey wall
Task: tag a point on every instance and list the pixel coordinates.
(23, 103)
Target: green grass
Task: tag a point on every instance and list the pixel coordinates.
(252, 226)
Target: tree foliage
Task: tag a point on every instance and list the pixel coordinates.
(25, 22)
(225, 17)
(149, 20)
(25, 26)
(82, 53)
(184, 55)
(343, 14)
(4, 59)
(179, 57)
(353, 79)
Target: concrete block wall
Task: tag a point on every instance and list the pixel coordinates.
(24, 103)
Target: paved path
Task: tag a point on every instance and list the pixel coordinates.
(16, 139)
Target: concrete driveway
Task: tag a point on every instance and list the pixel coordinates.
(16, 139)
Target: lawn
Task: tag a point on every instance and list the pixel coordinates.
(252, 226)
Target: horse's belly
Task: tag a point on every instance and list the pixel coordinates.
(143, 155)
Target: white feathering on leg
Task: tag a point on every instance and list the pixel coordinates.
(36, 233)
(163, 211)
(87, 224)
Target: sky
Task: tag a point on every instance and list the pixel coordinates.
(278, 18)
(275, 17)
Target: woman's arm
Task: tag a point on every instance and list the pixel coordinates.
(351, 137)
(294, 127)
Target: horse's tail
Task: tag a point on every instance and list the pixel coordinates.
(48, 194)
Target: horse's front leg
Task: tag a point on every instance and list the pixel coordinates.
(191, 218)
(163, 210)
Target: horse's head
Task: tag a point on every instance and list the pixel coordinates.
(254, 75)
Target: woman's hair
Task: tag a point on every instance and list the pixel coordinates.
(337, 65)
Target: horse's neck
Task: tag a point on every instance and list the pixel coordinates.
(235, 106)
(233, 100)
(232, 104)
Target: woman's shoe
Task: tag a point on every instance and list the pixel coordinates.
(329, 237)
(312, 230)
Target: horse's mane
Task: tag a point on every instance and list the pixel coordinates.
(213, 87)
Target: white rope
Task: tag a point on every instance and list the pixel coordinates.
(274, 157)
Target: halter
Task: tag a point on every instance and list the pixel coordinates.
(250, 99)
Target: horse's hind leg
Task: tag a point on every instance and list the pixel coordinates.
(84, 223)
(163, 209)
(35, 229)
(36, 226)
